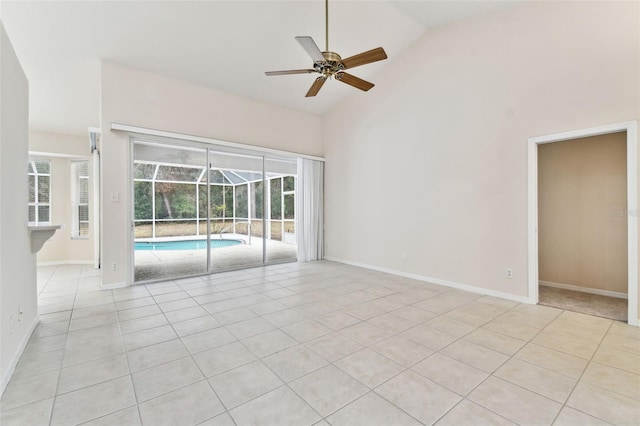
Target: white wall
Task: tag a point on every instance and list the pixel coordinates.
(433, 161)
(17, 264)
(143, 99)
(61, 150)
(59, 144)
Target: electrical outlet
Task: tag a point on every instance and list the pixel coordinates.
(20, 313)
(403, 257)
(115, 266)
(509, 273)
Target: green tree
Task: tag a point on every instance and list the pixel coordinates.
(175, 200)
(143, 199)
(276, 198)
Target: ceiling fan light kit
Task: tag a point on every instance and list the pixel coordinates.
(330, 65)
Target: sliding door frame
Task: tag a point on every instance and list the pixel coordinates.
(228, 148)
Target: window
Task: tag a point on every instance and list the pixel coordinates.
(39, 191)
(241, 201)
(80, 199)
(276, 198)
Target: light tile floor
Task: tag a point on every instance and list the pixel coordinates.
(314, 343)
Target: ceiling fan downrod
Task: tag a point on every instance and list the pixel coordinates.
(326, 24)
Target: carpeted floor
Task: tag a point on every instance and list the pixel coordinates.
(584, 303)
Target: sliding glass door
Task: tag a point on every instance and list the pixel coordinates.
(237, 207)
(281, 221)
(199, 210)
(168, 218)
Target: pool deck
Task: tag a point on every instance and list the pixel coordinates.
(167, 264)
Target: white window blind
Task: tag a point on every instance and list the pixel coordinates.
(39, 191)
(80, 199)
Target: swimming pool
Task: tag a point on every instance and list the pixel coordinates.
(184, 245)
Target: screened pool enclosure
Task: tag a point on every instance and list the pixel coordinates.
(202, 195)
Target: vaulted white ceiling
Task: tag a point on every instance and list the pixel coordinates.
(224, 45)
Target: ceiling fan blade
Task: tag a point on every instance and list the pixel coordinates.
(373, 55)
(311, 48)
(354, 81)
(316, 86)
(288, 72)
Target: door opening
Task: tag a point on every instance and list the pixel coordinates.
(582, 228)
(583, 225)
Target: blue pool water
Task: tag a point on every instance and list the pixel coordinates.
(184, 245)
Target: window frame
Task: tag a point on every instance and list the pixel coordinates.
(36, 203)
(76, 177)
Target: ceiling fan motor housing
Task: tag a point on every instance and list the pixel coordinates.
(331, 65)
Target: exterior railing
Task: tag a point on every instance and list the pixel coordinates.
(271, 229)
(234, 226)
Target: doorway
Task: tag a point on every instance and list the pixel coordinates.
(581, 259)
(582, 228)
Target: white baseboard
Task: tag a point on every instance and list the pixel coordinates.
(66, 262)
(584, 289)
(112, 286)
(16, 357)
(446, 283)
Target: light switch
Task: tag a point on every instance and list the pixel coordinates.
(115, 197)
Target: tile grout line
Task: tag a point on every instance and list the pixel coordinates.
(368, 348)
(577, 380)
(260, 359)
(285, 383)
(133, 387)
(66, 334)
(580, 379)
(372, 390)
(103, 358)
(315, 317)
(64, 352)
(191, 356)
(438, 315)
(465, 397)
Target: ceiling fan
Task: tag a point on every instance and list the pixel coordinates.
(329, 64)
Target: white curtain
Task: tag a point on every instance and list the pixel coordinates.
(309, 210)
